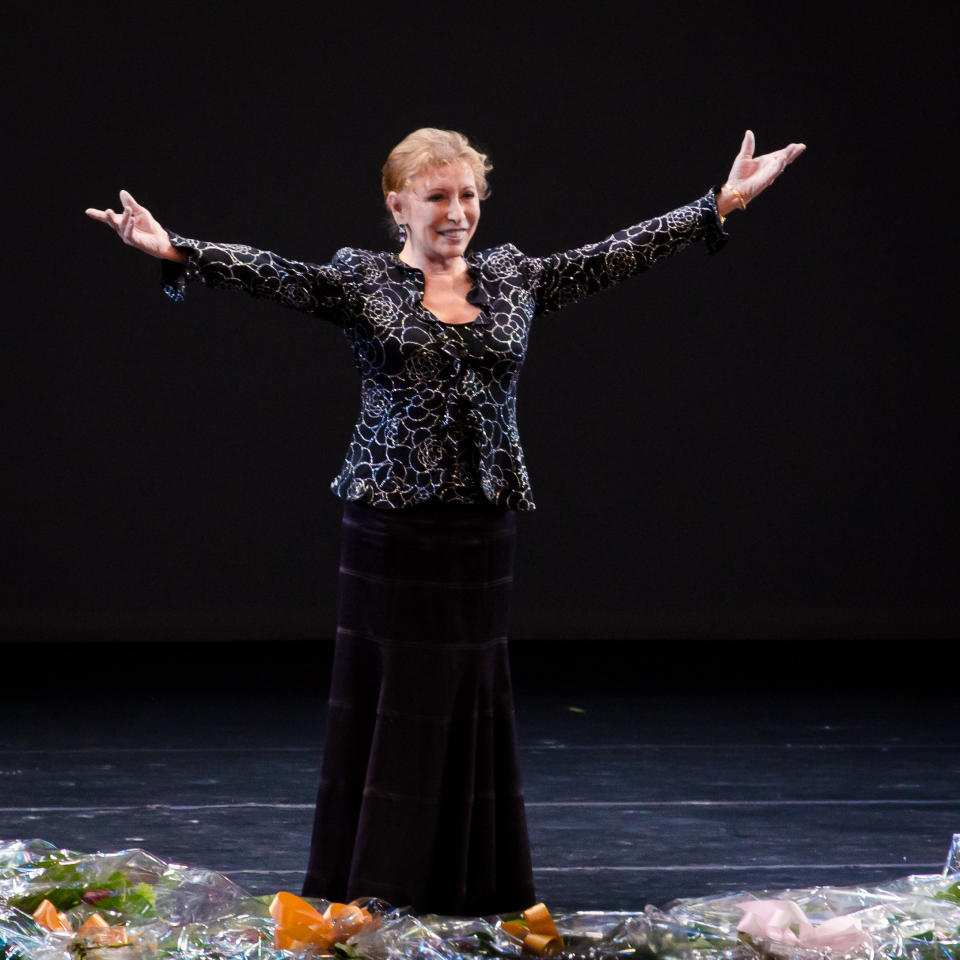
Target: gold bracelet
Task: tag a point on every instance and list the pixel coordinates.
(738, 195)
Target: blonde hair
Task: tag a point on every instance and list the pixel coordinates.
(430, 147)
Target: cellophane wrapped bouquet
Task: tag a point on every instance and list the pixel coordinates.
(60, 905)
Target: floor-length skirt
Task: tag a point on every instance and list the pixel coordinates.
(420, 801)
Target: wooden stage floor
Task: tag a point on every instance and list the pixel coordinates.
(649, 773)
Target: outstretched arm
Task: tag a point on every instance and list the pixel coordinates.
(565, 278)
(261, 273)
(137, 228)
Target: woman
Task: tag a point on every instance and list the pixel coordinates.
(420, 801)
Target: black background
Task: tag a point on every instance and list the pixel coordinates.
(756, 444)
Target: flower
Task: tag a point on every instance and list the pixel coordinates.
(783, 924)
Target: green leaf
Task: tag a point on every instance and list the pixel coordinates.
(951, 893)
(147, 892)
(129, 905)
(63, 898)
(59, 875)
(115, 881)
(345, 950)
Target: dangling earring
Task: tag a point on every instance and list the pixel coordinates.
(402, 230)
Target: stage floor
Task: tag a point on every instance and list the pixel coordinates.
(641, 785)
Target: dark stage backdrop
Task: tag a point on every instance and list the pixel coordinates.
(760, 443)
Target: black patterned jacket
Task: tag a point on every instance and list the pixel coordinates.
(438, 404)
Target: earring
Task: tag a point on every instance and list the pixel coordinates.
(402, 230)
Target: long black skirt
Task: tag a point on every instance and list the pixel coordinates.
(420, 801)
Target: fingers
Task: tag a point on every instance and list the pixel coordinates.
(787, 155)
(748, 146)
(128, 217)
(133, 223)
(107, 216)
(126, 198)
(118, 221)
(126, 225)
(130, 209)
(123, 223)
(793, 151)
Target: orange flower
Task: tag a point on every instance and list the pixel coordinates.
(48, 916)
(101, 933)
(299, 925)
(538, 931)
(95, 928)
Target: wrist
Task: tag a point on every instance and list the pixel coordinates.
(729, 199)
(170, 252)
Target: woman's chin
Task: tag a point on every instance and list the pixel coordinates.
(454, 241)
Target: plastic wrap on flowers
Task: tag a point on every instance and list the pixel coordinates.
(60, 905)
(122, 906)
(916, 917)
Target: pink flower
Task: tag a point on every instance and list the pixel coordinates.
(781, 923)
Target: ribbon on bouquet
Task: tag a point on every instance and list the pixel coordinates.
(300, 925)
(95, 927)
(537, 931)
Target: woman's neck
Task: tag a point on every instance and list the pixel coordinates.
(433, 267)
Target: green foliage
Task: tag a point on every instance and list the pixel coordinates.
(951, 893)
(127, 903)
(347, 952)
(63, 898)
(68, 887)
(127, 906)
(15, 867)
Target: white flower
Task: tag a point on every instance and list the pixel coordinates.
(424, 365)
(379, 308)
(429, 452)
(620, 264)
(501, 264)
(783, 927)
(376, 401)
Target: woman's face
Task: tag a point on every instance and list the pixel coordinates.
(439, 208)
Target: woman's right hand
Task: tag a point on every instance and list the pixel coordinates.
(137, 228)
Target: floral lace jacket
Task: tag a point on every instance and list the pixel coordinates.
(438, 416)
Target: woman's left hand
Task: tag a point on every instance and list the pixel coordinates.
(751, 175)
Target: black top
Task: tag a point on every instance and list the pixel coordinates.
(438, 405)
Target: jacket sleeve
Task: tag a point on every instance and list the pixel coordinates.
(310, 287)
(565, 278)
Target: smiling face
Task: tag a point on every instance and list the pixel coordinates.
(439, 209)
